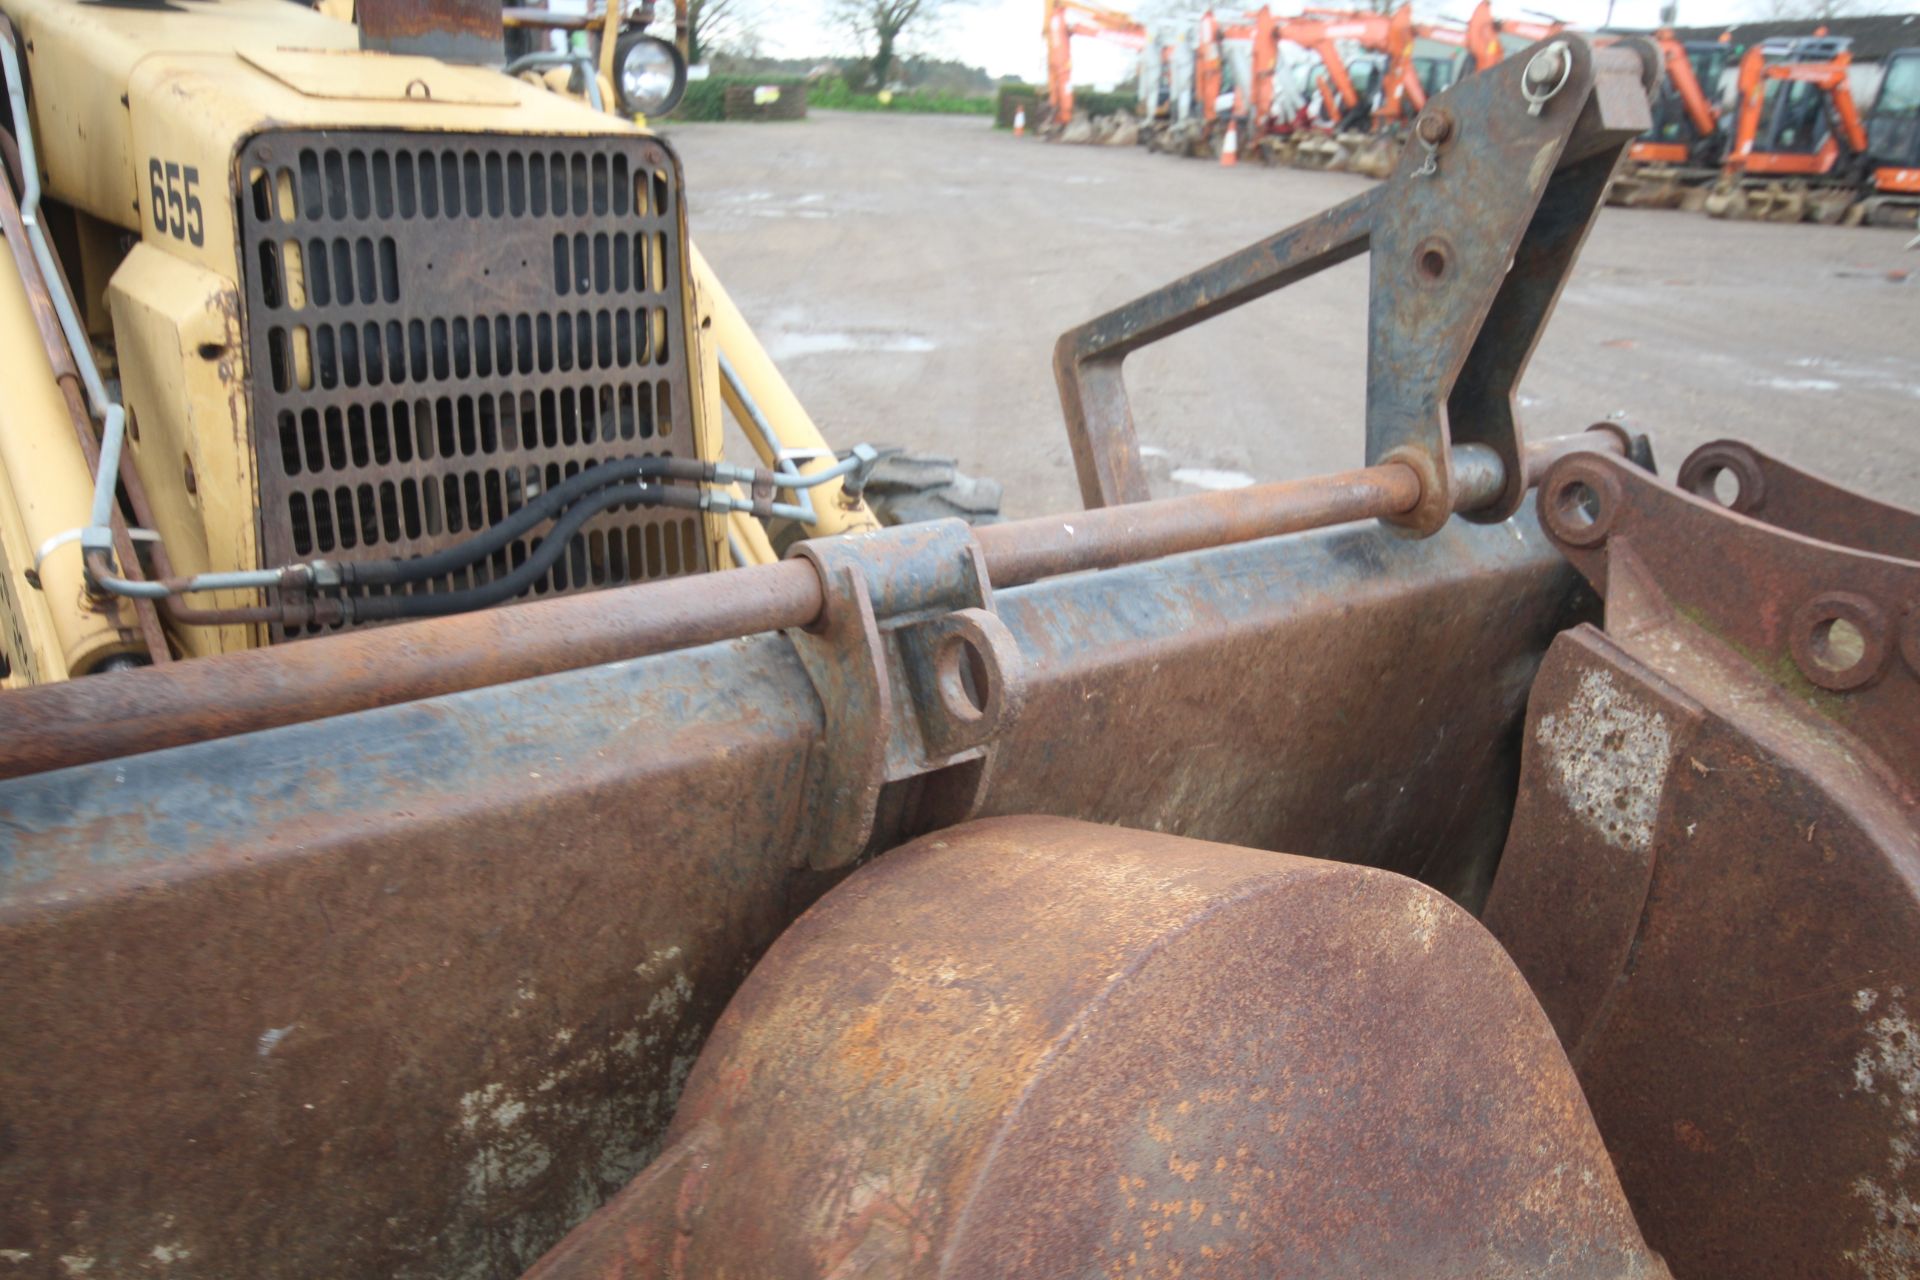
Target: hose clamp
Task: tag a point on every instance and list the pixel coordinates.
(80, 536)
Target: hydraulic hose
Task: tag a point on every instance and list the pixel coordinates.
(552, 547)
(557, 501)
(549, 505)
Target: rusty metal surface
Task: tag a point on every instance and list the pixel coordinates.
(1786, 497)
(451, 30)
(443, 326)
(469, 909)
(1036, 1047)
(127, 712)
(1027, 550)
(1713, 877)
(331, 675)
(1468, 257)
(1319, 658)
(1766, 593)
(915, 674)
(406, 1001)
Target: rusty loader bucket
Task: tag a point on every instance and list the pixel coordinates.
(1492, 861)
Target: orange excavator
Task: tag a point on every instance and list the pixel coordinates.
(1208, 57)
(1188, 120)
(1799, 144)
(1893, 143)
(1248, 53)
(1398, 95)
(1670, 165)
(1802, 148)
(1686, 125)
(1477, 41)
(1339, 97)
(1065, 19)
(1797, 116)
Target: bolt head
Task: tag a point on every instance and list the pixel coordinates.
(1434, 128)
(1546, 66)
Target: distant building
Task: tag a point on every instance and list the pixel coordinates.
(1873, 38)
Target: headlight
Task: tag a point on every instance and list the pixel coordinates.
(649, 75)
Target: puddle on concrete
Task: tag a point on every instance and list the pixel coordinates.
(765, 204)
(1209, 478)
(1802, 384)
(795, 346)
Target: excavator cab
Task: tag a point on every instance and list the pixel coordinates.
(1800, 144)
(1893, 126)
(1686, 128)
(1794, 115)
(1368, 73)
(1436, 67)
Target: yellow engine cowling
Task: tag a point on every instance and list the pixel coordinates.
(374, 301)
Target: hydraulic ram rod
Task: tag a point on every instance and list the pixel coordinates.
(105, 716)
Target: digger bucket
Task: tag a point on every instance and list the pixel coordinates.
(1492, 860)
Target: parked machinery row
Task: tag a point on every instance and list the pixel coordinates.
(1324, 88)
(1779, 131)
(1776, 130)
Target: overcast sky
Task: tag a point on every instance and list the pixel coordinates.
(1004, 35)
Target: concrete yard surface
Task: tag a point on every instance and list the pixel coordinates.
(911, 273)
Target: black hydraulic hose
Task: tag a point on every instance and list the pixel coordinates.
(430, 604)
(542, 508)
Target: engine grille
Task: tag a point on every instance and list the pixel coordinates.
(441, 326)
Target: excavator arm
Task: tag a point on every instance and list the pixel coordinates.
(1336, 86)
(1680, 75)
(1391, 34)
(1065, 19)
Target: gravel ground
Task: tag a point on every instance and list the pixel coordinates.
(911, 273)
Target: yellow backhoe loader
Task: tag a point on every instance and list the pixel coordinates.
(279, 308)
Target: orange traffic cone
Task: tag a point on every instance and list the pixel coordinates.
(1019, 121)
(1230, 148)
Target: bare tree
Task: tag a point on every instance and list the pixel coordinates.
(721, 26)
(880, 24)
(1820, 10)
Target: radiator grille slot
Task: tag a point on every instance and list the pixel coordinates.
(444, 326)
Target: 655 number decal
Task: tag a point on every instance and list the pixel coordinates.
(176, 204)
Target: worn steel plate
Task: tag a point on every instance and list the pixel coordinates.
(483, 935)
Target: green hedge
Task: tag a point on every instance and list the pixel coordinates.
(706, 99)
(833, 94)
(1094, 102)
(1014, 97)
(1087, 101)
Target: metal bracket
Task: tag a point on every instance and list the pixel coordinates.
(1717, 810)
(1471, 240)
(1832, 621)
(914, 671)
(1785, 497)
